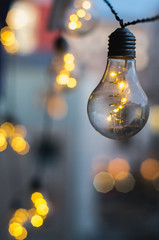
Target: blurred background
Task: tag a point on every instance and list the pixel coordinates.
(59, 178)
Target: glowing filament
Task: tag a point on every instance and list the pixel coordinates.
(113, 74)
(109, 118)
(123, 100)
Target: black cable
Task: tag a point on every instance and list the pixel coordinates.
(115, 14)
(123, 25)
(143, 20)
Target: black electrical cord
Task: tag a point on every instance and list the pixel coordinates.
(122, 24)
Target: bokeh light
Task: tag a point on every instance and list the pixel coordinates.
(26, 149)
(15, 229)
(42, 209)
(72, 83)
(57, 107)
(118, 165)
(23, 235)
(63, 78)
(40, 201)
(35, 196)
(154, 119)
(16, 18)
(21, 215)
(69, 67)
(8, 128)
(7, 36)
(20, 129)
(124, 182)
(149, 168)
(69, 58)
(37, 221)
(86, 4)
(81, 13)
(18, 144)
(13, 48)
(103, 182)
(31, 213)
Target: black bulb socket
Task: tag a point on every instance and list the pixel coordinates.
(122, 43)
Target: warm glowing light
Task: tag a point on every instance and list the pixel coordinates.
(121, 107)
(124, 182)
(57, 107)
(21, 215)
(81, 13)
(8, 128)
(18, 144)
(86, 4)
(21, 130)
(16, 18)
(109, 118)
(40, 201)
(73, 18)
(69, 58)
(12, 48)
(118, 165)
(15, 229)
(62, 78)
(122, 85)
(42, 209)
(2, 140)
(3, 132)
(23, 235)
(113, 74)
(79, 24)
(123, 100)
(116, 110)
(72, 83)
(31, 212)
(149, 168)
(88, 17)
(69, 67)
(72, 25)
(26, 150)
(103, 182)
(37, 221)
(35, 196)
(3, 147)
(7, 36)
(154, 119)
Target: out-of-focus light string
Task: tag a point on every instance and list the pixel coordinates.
(35, 215)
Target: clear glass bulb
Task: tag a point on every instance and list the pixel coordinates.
(118, 107)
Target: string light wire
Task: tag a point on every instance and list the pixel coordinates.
(121, 22)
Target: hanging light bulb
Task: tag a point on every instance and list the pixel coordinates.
(118, 107)
(80, 18)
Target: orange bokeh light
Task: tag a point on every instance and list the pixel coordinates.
(149, 168)
(118, 165)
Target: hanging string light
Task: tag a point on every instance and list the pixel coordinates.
(118, 107)
(63, 66)
(15, 136)
(80, 18)
(35, 215)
